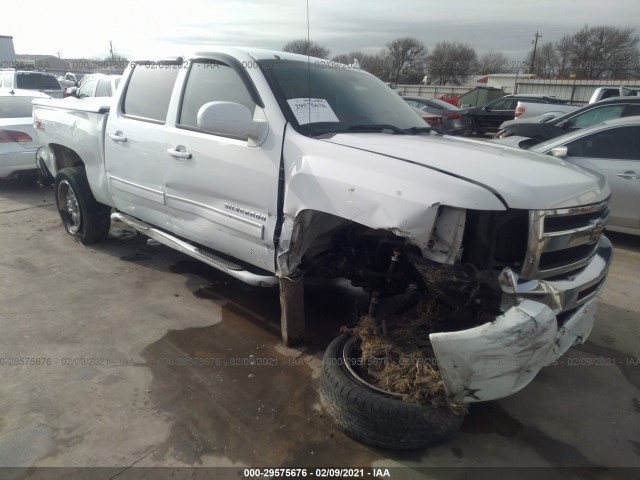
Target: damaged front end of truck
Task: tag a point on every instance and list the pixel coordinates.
(520, 286)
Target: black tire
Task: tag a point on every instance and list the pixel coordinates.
(377, 419)
(82, 216)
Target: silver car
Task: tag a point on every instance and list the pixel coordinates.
(18, 139)
(610, 148)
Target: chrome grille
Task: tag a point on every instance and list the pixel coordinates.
(562, 241)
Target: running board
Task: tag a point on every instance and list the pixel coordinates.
(230, 268)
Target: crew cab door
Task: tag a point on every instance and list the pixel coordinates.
(135, 145)
(222, 190)
(614, 153)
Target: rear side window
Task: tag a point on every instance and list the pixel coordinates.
(103, 89)
(15, 107)
(596, 115)
(149, 91)
(36, 81)
(631, 110)
(210, 82)
(8, 80)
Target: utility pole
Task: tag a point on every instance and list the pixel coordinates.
(533, 57)
(111, 51)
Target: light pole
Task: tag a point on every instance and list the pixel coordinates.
(533, 57)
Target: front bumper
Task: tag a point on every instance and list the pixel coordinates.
(547, 317)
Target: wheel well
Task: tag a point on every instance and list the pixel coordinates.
(65, 157)
(329, 246)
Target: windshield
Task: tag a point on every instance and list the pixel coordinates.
(320, 98)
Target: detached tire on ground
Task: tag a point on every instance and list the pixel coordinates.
(377, 419)
(82, 215)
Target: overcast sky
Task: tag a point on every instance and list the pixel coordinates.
(142, 27)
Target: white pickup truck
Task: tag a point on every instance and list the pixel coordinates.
(270, 166)
(526, 109)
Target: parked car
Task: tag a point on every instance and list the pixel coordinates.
(431, 118)
(18, 139)
(529, 109)
(268, 166)
(96, 85)
(31, 80)
(602, 93)
(611, 149)
(489, 117)
(451, 116)
(542, 129)
(451, 98)
(74, 77)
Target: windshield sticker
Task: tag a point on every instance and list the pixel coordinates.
(320, 111)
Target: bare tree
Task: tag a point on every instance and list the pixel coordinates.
(349, 58)
(495, 62)
(603, 52)
(405, 59)
(547, 61)
(451, 62)
(563, 50)
(306, 47)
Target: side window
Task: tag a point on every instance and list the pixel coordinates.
(87, 89)
(104, 88)
(596, 115)
(631, 110)
(413, 103)
(210, 82)
(615, 143)
(149, 91)
(8, 80)
(503, 104)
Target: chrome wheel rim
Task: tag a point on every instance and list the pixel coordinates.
(69, 207)
(348, 355)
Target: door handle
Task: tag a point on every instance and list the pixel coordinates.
(629, 174)
(179, 153)
(117, 137)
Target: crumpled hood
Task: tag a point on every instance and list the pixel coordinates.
(521, 179)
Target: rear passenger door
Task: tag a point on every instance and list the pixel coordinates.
(221, 191)
(135, 142)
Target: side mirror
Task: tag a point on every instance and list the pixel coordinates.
(486, 108)
(562, 124)
(559, 152)
(230, 118)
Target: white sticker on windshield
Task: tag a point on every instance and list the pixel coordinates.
(312, 110)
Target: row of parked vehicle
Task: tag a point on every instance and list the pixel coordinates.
(18, 139)
(603, 137)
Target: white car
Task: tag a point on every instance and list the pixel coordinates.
(18, 139)
(97, 85)
(611, 149)
(31, 80)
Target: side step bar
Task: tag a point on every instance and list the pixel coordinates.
(210, 259)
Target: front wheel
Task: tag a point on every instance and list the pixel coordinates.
(375, 417)
(82, 215)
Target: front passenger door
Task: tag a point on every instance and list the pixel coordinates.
(221, 191)
(614, 153)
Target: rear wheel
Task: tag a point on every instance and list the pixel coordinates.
(82, 215)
